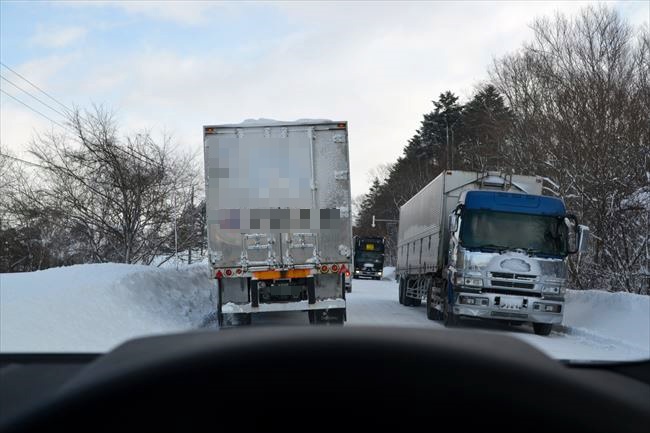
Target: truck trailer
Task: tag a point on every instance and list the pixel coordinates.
(488, 246)
(278, 216)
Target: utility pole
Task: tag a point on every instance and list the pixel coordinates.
(450, 153)
(189, 256)
(391, 235)
(448, 166)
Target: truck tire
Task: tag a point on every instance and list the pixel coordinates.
(335, 316)
(432, 312)
(236, 319)
(542, 328)
(400, 295)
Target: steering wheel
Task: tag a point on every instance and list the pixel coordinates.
(327, 378)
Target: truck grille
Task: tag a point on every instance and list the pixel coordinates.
(516, 281)
(512, 284)
(514, 292)
(509, 276)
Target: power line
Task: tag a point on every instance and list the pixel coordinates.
(38, 88)
(20, 160)
(32, 96)
(31, 108)
(145, 159)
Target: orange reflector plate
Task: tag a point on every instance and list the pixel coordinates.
(274, 275)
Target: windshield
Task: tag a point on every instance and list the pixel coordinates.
(368, 257)
(171, 166)
(536, 234)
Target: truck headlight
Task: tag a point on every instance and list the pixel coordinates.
(473, 300)
(547, 308)
(551, 289)
(476, 282)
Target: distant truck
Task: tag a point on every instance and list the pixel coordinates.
(488, 246)
(368, 257)
(278, 211)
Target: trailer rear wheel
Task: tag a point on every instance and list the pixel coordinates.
(334, 316)
(401, 291)
(236, 319)
(542, 328)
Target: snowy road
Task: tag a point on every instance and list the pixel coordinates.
(375, 303)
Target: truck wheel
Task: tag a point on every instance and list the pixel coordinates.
(236, 319)
(542, 328)
(432, 312)
(335, 316)
(220, 319)
(400, 295)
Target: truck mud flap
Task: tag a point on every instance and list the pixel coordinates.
(255, 292)
(311, 290)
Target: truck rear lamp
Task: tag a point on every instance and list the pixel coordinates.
(219, 274)
(324, 269)
(347, 273)
(228, 272)
(239, 271)
(335, 268)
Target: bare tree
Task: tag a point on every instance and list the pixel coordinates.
(117, 193)
(579, 95)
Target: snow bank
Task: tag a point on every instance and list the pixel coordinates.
(623, 317)
(388, 273)
(94, 307)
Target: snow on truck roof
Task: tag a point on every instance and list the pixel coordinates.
(272, 122)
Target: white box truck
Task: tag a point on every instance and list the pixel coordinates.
(278, 215)
(489, 246)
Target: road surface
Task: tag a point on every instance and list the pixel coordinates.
(374, 303)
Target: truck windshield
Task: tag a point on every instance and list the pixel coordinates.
(368, 257)
(537, 234)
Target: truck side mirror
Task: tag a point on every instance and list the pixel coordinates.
(583, 238)
(452, 222)
(574, 235)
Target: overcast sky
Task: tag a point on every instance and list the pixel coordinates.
(174, 67)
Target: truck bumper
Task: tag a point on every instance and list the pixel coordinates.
(511, 308)
(325, 304)
(368, 274)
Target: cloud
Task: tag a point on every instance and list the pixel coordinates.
(377, 65)
(58, 38)
(189, 13)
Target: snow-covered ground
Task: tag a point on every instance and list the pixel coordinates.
(92, 308)
(598, 325)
